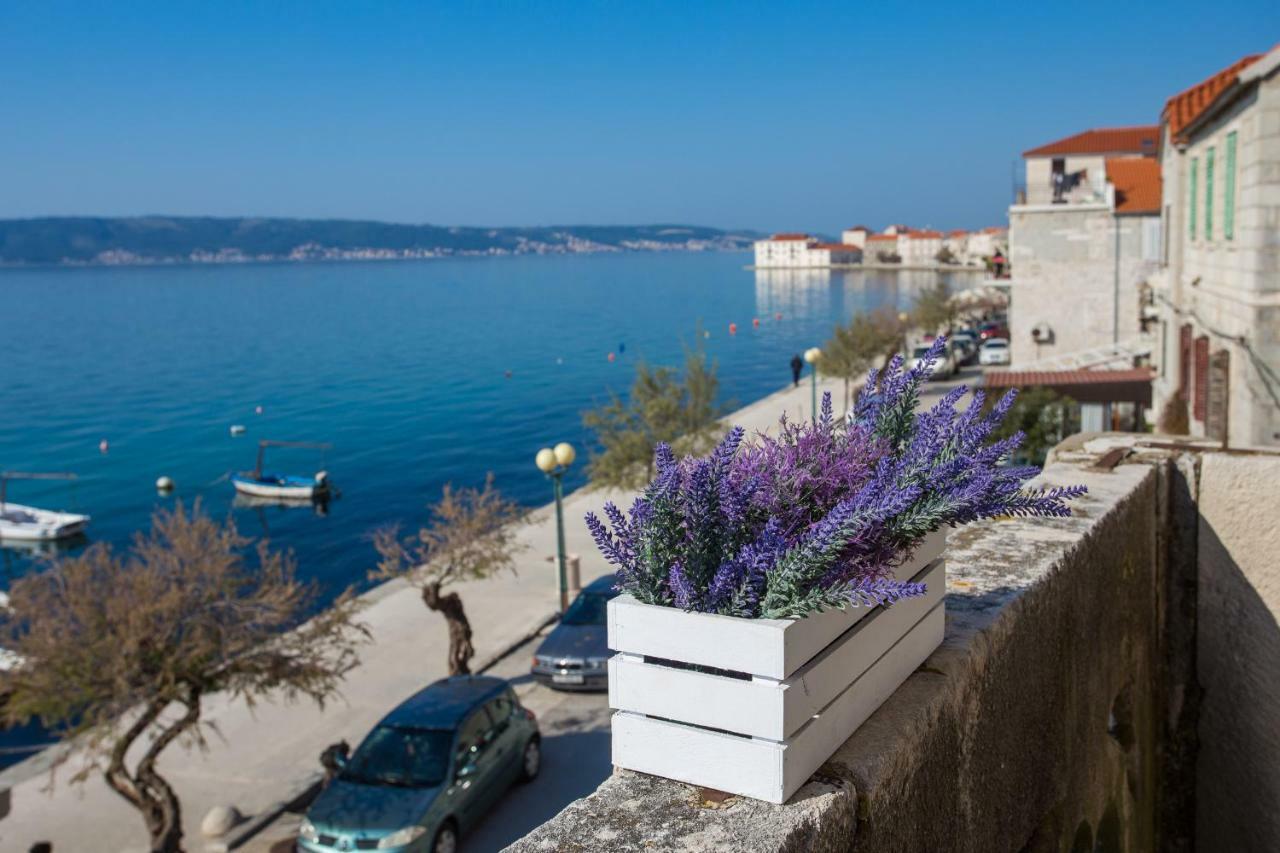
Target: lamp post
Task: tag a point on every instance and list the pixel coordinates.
(554, 462)
(812, 355)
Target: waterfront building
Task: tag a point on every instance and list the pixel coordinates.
(855, 236)
(1217, 299)
(1083, 246)
(803, 250)
(882, 249)
(919, 248)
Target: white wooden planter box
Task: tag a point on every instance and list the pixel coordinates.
(785, 693)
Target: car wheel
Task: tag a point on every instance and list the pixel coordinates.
(446, 840)
(531, 762)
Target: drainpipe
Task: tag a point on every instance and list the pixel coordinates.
(1115, 290)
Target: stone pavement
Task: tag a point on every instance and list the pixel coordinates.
(257, 759)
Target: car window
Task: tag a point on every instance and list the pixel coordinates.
(996, 345)
(400, 757)
(501, 707)
(920, 352)
(472, 733)
(589, 608)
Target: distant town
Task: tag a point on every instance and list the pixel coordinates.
(148, 240)
(897, 245)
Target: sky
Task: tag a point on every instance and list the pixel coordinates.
(768, 116)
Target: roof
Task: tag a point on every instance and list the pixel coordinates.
(994, 229)
(958, 232)
(445, 702)
(790, 237)
(1083, 386)
(893, 237)
(836, 247)
(925, 235)
(1137, 183)
(1139, 139)
(858, 228)
(1186, 106)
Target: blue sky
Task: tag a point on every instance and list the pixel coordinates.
(755, 115)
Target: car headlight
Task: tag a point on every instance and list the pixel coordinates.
(307, 831)
(401, 837)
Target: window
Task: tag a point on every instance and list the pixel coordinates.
(400, 757)
(472, 734)
(1229, 190)
(1208, 195)
(1191, 205)
(501, 708)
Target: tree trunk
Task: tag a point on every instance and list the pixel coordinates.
(144, 788)
(450, 607)
(846, 395)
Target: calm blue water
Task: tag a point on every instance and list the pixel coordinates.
(401, 366)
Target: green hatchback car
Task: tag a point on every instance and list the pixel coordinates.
(428, 771)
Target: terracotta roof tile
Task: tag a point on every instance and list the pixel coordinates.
(994, 229)
(836, 247)
(1186, 106)
(1140, 139)
(790, 237)
(925, 235)
(883, 237)
(1137, 183)
(959, 232)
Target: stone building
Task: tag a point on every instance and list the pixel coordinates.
(1218, 296)
(1080, 261)
(855, 236)
(803, 250)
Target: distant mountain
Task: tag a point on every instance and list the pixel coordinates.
(75, 240)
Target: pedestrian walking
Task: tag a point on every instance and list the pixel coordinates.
(997, 261)
(797, 365)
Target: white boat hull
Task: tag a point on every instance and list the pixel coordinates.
(262, 490)
(32, 524)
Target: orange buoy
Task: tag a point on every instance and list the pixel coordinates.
(104, 446)
(612, 357)
(755, 321)
(733, 328)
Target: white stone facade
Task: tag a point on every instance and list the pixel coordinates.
(801, 250)
(1218, 298)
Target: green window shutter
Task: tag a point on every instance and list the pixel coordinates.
(1229, 190)
(1192, 205)
(1208, 195)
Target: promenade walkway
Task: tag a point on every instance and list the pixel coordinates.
(258, 758)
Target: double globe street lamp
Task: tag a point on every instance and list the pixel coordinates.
(554, 461)
(812, 355)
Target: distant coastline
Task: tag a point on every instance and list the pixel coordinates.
(177, 240)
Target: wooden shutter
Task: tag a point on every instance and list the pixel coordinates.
(1208, 195)
(1184, 360)
(1229, 190)
(1192, 204)
(1215, 421)
(1201, 399)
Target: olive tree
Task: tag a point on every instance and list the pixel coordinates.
(933, 309)
(470, 535)
(665, 405)
(854, 348)
(119, 651)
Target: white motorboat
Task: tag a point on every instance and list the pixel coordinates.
(22, 523)
(263, 484)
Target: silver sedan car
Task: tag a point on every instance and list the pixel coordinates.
(575, 656)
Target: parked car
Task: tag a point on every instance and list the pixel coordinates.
(992, 329)
(994, 351)
(966, 344)
(575, 656)
(428, 771)
(945, 367)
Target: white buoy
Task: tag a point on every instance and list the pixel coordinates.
(257, 410)
(104, 445)
(237, 429)
(164, 484)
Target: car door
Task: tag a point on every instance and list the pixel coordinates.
(477, 749)
(509, 751)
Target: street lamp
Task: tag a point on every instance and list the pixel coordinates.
(554, 462)
(812, 355)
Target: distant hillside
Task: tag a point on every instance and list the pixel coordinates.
(180, 239)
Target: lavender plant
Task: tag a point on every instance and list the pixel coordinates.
(819, 516)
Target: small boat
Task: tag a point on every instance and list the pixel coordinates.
(265, 484)
(22, 523)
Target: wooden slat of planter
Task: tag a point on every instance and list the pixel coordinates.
(772, 648)
(764, 707)
(765, 769)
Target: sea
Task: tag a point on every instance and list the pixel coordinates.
(417, 373)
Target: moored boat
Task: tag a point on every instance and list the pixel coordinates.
(22, 523)
(265, 484)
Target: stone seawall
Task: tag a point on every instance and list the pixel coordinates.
(1059, 713)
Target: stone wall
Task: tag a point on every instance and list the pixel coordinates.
(1239, 653)
(1044, 722)
(1066, 274)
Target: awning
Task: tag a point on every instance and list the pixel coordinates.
(1083, 386)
